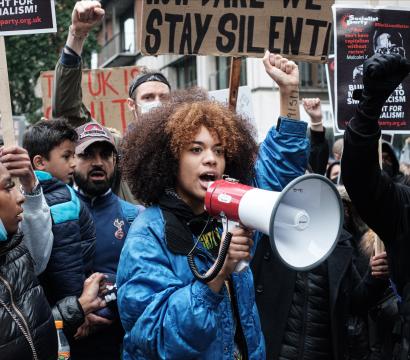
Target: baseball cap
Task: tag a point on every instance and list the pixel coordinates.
(91, 133)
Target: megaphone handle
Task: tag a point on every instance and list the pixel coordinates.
(227, 227)
(242, 265)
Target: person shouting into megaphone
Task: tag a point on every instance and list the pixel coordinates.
(169, 161)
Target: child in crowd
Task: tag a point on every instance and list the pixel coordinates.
(51, 147)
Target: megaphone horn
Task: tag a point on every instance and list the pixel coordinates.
(303, 221)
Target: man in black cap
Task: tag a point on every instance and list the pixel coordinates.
(147, 91)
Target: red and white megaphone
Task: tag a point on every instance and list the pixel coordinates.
(303, 221)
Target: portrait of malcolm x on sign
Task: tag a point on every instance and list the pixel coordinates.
(384, 42)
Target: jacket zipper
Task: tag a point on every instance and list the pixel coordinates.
(24, 329)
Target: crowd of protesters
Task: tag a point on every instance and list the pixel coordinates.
(95, 211)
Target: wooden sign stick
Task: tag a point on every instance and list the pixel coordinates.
(6, 116)
(234, 80)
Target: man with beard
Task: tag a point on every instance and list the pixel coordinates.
(96, 157)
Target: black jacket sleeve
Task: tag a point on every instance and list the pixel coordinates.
(70, 312)
(381, 203)
(319, 152)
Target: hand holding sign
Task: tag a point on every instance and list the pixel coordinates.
(85, 16)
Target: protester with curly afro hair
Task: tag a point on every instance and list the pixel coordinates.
(169, 159)
(151, 152)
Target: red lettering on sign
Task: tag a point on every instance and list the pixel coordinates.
(47, 112)
(98, 91)
(126, 81)
(102, 114)
(122, 103)
(92, 109)
(134, 73)
(49, 78)
(106, 84)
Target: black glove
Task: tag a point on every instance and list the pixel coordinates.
(381, 76)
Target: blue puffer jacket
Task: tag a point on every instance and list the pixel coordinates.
(71, 258)
(166, 313)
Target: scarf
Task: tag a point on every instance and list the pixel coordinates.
(181, 224)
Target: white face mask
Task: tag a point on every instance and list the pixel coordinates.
(148, 106)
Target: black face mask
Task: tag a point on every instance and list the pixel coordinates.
(388, 169)
(335, 180)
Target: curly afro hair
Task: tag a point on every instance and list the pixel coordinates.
(152, 147)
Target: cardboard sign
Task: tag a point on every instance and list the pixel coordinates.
(297, 29)
(360, 33)
(19, 17)
(105, 94)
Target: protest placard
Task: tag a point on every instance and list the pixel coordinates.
(19, 17)
(105, 94)
(297, 29)
(330, 77)
(243, 103)
(360, 33)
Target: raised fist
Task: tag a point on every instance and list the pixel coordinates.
(383, 73)
(283, 71)
(381, 76)
(85, 16)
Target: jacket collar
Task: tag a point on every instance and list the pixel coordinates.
(92, 200)
(14, 240)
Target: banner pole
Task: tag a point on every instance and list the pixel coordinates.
(234, 80)
(6, 116)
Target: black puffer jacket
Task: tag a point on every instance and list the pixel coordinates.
(27, 328)
(275, 288)
(307, 333)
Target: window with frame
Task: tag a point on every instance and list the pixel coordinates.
(223, 69)
(186, 72)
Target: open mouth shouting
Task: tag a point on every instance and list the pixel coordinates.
(207, 177)
(97, 175)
